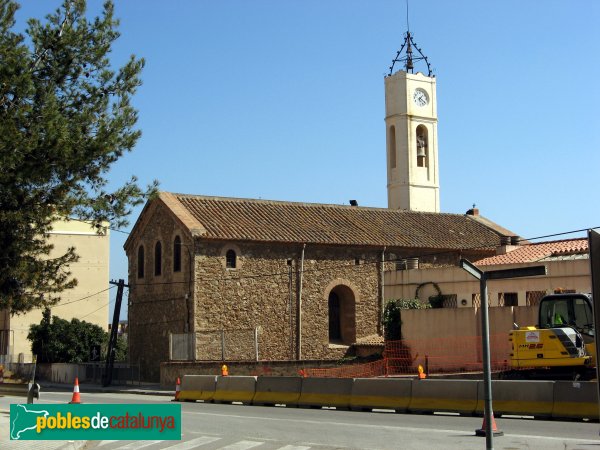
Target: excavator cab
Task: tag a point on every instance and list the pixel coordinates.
(562, 341)
(572, 310)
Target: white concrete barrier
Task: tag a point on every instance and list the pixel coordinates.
(277, 390)
(198, 387)
(575, 399)
(235, 389)
(529, 398)
(319, 392)
(380, 393)
(444, 396)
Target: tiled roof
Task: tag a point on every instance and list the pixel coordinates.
(287, 222)
(539, 251)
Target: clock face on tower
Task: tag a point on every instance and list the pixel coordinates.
(420, 97)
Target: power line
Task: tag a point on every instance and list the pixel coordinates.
(96, 310)
(83, 298)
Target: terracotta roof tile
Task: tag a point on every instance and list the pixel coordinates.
(275, 221)
(537, 252)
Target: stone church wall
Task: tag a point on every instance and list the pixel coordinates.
(262, 292)
(157, 303)
(237, 312)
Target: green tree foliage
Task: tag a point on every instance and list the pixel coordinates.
(392, 316)
(65, 118)
(120, 349)
(57, 340)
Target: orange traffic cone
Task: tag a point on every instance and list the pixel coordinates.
(495, 430)
(76, 398)
(422, 374)
(177, 389)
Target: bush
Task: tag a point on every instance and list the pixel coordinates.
(56, 340)
(392, 322)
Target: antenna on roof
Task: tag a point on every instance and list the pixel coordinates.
(407, 24)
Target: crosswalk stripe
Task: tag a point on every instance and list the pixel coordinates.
(137, 445)
(294, 447)
(242, 445)
(193, 443)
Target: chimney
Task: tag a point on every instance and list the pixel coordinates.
(473, 211)
(507, 244)
(353, 203)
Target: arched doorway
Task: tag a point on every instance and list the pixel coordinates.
(342, 315)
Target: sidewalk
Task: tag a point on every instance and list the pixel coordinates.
(142, 389)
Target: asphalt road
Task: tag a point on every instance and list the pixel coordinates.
(237, 427)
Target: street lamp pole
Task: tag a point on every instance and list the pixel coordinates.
(485, 333)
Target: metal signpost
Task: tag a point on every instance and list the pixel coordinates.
(485, 331)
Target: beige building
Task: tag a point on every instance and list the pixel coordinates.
(566, 261)
(87, 301)
(275, 280)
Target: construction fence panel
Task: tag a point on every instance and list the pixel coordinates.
(436, 356)
(445, 355)
(181, 346)
(227, 345)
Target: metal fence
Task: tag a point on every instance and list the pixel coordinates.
(122, 373)
(215, 345)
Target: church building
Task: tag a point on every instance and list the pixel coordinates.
(214, 278)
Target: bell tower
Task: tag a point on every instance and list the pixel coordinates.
(411, 133)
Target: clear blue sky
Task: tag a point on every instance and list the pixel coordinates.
(284, 100)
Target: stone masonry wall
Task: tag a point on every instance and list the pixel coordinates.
(262, 292)
(157, 303)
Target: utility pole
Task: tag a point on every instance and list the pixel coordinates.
(112, 342)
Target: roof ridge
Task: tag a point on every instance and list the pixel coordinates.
(306, 204)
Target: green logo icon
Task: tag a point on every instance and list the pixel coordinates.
(95, 422)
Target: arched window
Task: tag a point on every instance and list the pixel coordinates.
(140, 262)
(177, 254)
(392, 140)
(341, 309)
(230, 259)
(335, 329)
(422, 146)
(157, 259)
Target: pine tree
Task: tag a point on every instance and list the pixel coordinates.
(65, 118)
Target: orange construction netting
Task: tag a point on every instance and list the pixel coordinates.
(437, 356)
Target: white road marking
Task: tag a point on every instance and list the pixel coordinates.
(294, 447)
(138, 444)
(242, 445)
(193, 443)
(393, 428)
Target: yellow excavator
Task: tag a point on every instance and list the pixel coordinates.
(562, 345)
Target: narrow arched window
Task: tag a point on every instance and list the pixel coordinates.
(422, 146)
(177, 254)
(392, 141)
(140, 262)
(158, 259)
(230, 259)
(335, 327)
